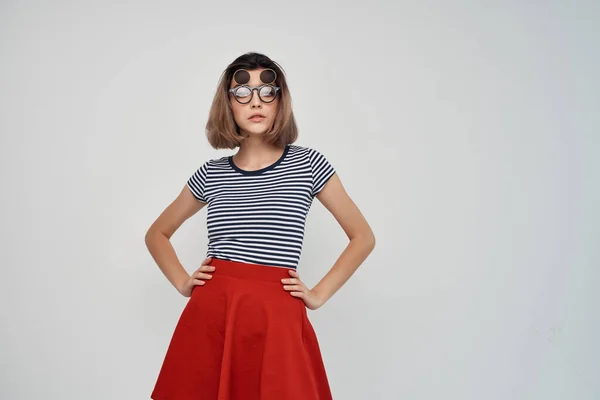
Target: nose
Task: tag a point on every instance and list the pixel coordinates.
(255, 102)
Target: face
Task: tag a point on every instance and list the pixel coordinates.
(242, 113)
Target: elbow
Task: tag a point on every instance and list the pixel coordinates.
(367, 239)
(371, 241)
(150, 236)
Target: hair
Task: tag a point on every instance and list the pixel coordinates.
(221, 129)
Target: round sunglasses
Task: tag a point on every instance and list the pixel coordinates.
(244, 93)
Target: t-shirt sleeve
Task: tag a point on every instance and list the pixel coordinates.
(321, 169)
(197, 182)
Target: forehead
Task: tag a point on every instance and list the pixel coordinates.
(252, 77)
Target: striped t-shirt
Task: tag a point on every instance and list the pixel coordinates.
(258, 216)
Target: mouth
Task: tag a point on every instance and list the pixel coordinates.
(256, 118)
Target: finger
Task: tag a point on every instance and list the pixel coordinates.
(201, 275)
(206, 268)
(207, 260)
(293, 288)
(294, 273)
(291, 281)
(198, 282)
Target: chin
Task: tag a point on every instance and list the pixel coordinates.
(256, 130)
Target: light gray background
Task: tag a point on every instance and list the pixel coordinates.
(467, 133)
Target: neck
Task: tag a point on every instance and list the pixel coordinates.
(254, 153)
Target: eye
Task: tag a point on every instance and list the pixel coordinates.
(267, 92)
(242, 91)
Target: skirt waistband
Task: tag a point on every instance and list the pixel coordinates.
(249, 271)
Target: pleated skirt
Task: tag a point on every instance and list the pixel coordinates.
(241, 336)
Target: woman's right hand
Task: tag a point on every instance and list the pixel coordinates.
(197, 278)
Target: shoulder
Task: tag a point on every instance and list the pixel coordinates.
(316, 160)
(309, 152)
(213, 163)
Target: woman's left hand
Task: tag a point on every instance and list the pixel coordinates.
(297, 288)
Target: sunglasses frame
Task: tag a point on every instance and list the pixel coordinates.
(252, 89)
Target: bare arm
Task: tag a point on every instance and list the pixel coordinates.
(362, 240)
(158, 236)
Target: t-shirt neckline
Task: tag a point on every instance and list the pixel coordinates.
(262, 170)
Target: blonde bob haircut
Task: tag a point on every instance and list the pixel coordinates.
(221, 129)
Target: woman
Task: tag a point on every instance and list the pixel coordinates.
(244, 333)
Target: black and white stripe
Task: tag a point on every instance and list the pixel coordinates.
(259, 216)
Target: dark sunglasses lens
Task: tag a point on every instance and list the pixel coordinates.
(267, 76)
(241, 76)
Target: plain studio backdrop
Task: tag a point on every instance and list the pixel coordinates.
(467, 133)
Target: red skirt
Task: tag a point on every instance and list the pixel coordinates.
(241, 336)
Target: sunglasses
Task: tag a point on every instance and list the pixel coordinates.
(244, 93)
